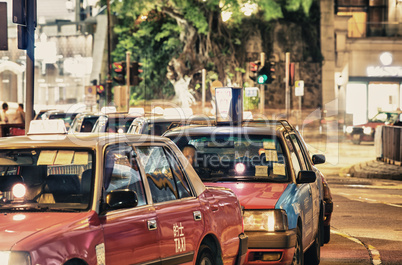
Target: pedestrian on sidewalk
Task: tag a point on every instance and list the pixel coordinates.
(20, 114)
(3, 114)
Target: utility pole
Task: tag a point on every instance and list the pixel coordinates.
(30, 61)
(109, 71)
(204, 74)
(262, 86)
(287, 96)
(128, 70)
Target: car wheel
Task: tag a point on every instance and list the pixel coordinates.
(298, 257)
(312, 255)
(327, 234)
(205, 256)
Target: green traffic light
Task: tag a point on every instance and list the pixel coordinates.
(261, 79)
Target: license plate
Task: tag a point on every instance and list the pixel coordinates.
(356, 137)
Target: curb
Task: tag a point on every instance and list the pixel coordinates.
(373, 169)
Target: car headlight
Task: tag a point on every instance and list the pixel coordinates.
(14, 258)
(349, 129)
(367, 130)
(265, 220)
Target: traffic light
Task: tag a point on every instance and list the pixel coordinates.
(266, 74)
(254, 69)
(119, 69)
(135, 71)
(272, 71)
(100, 89)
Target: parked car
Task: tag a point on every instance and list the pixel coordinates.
(67, 117)
(41, 113)
(114, 122)
(365, 132)
(110, 199)
(83, 122)
(267, 165)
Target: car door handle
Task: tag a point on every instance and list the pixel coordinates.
(197, 216)
(152, 225)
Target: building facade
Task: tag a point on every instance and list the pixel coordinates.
(64, 46)
(362, 47)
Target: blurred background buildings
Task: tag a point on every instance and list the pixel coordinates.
(361, 42)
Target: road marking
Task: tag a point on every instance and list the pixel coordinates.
(360, 199)
(373, 252)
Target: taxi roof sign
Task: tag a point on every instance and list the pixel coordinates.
(56, 126)
(229, 105)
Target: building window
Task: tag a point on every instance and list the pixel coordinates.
(369, 18)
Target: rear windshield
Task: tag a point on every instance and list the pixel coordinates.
(45, 179)
(156, 128)
(113, 124)
(246, 158)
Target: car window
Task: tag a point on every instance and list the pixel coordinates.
(76, 124)
(296, 164)
(165, 177)
(122, 171)
(157, 128)
(55, 179)
(247, 158)
(100, 124)
(299, 152)
(180, 178)
(118, 124)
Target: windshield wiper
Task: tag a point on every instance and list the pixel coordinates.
(216, 179)
(243, 179)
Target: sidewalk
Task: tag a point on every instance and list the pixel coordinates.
(374, 169)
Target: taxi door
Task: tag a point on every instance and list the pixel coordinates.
(305, 193)
(314, 186)
(131, 235)
(180, 220)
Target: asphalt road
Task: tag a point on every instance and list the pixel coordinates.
(366, 226)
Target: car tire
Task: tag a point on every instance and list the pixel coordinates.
(205, 256)
(298, 257)
(313, 254)
(327, 234)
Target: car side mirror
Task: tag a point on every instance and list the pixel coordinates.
(306, 176)
(318, 159)
(121, 199)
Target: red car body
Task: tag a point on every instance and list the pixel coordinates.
(181, 230)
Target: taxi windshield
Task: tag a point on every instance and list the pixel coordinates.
(245, 158)
(45, 179)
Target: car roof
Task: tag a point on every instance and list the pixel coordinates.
(271, 127)
(121, 115)
(81, 140)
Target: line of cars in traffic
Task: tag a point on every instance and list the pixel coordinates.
(246, 193)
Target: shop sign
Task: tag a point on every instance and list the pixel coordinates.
(299, 88)
(384, 71)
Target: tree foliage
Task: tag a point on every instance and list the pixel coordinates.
(177, 38)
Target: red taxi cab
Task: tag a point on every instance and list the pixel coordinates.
(110, 199)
